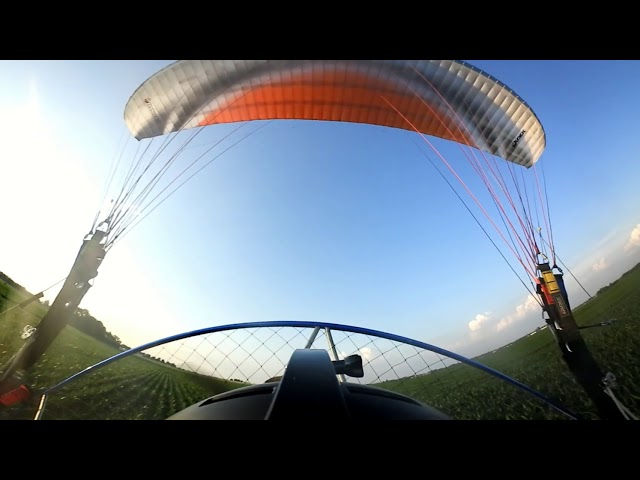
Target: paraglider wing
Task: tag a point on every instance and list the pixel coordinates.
(444, 98)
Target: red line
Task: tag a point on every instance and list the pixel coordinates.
(480, 171)
(462, 183)
(553, 250)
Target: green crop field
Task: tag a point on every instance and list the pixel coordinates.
(467, 393)
(139, 387)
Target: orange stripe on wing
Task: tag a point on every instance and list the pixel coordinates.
(343, 96)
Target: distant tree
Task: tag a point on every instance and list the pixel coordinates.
(88, 324)
(8, 280)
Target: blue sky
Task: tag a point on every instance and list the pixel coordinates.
(313, 221)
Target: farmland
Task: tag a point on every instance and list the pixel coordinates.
(467, 393)
(138, 387)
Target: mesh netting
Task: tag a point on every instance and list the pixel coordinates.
(160, 381)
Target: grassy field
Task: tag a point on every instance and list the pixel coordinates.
(140, 388)
(467, 393)
(134, 388)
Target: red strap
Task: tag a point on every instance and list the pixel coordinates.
(15, 396)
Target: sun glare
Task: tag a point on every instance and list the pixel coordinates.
(48, 205)
(45, 194)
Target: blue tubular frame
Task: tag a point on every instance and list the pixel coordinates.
(331, 326)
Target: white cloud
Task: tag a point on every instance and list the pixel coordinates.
(504, 323)
(529, 305)
(634, 239)
(476, 323)
(600, 265)
(366, 352)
